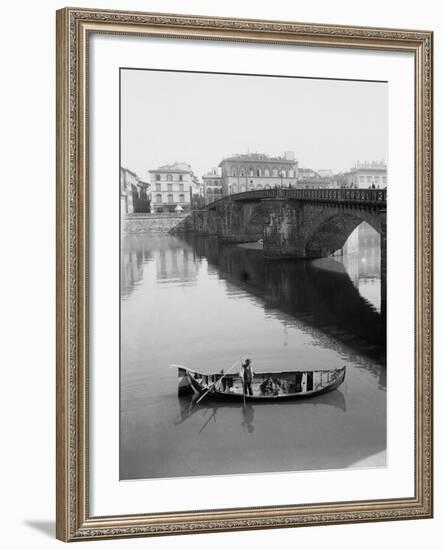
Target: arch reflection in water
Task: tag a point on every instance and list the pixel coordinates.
(202, 305)
(320, 293)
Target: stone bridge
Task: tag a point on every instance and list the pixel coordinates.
(293, 223)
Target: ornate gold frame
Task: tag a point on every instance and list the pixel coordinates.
(73, 519)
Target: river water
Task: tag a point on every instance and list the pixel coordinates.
(199, 304)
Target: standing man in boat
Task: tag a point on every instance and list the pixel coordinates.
(247, 374)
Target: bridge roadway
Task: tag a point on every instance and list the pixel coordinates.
(344, 196)
(293, 223)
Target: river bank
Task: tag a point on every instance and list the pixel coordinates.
(151, 223)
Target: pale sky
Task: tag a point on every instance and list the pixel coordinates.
(202, 118)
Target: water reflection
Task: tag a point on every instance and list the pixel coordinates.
(133, 255)
(340, 296)
(188, 406)
(202, 305)
(319, 293)
(175, 261)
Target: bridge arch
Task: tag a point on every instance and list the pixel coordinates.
(329, 230)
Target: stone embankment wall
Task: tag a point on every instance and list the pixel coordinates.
(186, 225)
(151, 223)
(231, 222)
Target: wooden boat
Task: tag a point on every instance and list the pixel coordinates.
(266, 386)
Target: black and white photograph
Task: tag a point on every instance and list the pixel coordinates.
(252, 273)
(219, 309)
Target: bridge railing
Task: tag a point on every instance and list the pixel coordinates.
(369, 196)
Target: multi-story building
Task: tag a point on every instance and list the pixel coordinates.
(197, 193)
(135, 196)
(307, 173)
(212, 185)
(258, 171)
(366, 175)
(173, 187)
(316, 183)
(309, 179)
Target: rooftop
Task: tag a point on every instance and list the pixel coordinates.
(176, 168)
(256, 157)
(372, 165)
(129, 171)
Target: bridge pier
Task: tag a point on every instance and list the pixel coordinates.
(204, 222)
(239, 223)
(281, 233)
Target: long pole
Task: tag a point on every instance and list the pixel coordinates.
(243, 380)
(217, 381)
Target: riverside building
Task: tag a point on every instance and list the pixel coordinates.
(173, 187)
(258, 171)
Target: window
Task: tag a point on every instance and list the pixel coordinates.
(181, 186)
(233, 171)
(283, 173)
(169, 177)
(159, 198)
(291, 173)
(242, 173)
(275, 172)
(251, 172)
(158, 186)
(170, 187)
(258, 172)
(267, 172)
(157, 177)
(170, 199)
(180, 178)
(181, 197)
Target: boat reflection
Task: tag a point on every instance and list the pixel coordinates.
(189, 407)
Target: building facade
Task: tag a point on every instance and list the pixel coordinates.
(307, 174)
(250, 171)
(365, 175)
(173, 188)
(316, 183)
(212, 185)
(135, 194)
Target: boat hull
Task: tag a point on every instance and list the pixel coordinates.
(214, 387)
